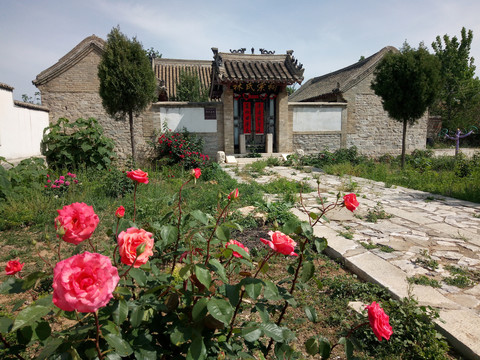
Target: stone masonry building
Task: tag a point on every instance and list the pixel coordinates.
(248, 109)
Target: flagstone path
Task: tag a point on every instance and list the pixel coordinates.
(427, 233)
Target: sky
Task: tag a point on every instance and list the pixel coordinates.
(325, 35)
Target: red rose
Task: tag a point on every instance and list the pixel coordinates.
(350, 201)
(120, 212)
(129, 241)
(138, 176)
(13, 267)
(234, 194)
(76, 222)
(379, 321)
(281, 243)
(196, 173)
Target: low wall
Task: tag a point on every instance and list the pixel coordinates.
(317, 126)
(21, 126)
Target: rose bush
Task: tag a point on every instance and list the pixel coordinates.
(84, 282)
(77, 222)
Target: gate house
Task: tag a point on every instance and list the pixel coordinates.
(252, 89)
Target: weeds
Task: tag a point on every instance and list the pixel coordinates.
(424, 280)
(377, 213)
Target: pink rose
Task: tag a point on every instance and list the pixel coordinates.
(379, 321)
(120, 212)
(138, 176)
(196, 173)
(84, 282)
(233, 195)
(280, 243)
(78, 220)
(129, 240)
(350, 201)
(13, 267)
(235, 242)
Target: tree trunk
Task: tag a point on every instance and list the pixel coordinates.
(132, 136)
(404, 138)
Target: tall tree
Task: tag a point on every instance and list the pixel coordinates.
(127, 81)
(459, 96)
(407, 82)
(189, 87)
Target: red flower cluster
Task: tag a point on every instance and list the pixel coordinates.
(180, 149)
(61, 184)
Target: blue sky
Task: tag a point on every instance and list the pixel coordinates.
(325, 35)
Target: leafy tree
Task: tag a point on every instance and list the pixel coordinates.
(407, 82)
(127, 81)
(189, 87)
(459, 96)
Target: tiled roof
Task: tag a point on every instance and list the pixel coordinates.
(168, 72)
(88, 44)
(339, 81)
(6, 87)
(240, 67)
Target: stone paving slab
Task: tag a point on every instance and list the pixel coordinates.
(423, 229)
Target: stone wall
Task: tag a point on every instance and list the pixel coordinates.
(313, 143)
(74, 94)
(371, 130)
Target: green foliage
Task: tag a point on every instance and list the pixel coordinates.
(71, 145)
(180, 147)
(189, 87)
(458, 99)
(414, 336)
(127, 81)
(407, 83)
(376, 213)
(115, 184)
(339, 156)
(424, 280)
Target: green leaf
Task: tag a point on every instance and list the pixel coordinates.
(308, 269)
(218, 269)
(5, 325)
(197, 350)
(307, 230)
(12, 286)
(311, 314)
(32, 278)
(203, 275)
(169, 234)
(223, 233)
(200, 216)
(42, 330)
(121, 346)
(136, 316)
(251, 333)
(123, 291)
(312, 345)
(30, 315)
(313, 216)
(145, 354)
(239, 250)
(271, 291)
(50, 348)
(120, 311)
(272, 330)
(253, 287)
(221, 310)
(199, 310)
(290, 227)
(139, 276)
(324, 347)
(320, 244)
(180, 335)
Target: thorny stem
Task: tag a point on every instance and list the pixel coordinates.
(134, 201)
(97, 340)
(213, 231)
(45, 261)
(116, 247)
(265, 259)
(91, 245)
(178, 223)
(131, 266)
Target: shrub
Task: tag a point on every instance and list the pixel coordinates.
(181, 147)
(81, 143)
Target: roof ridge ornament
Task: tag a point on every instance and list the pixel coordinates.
(239, 51)
(266, 52)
